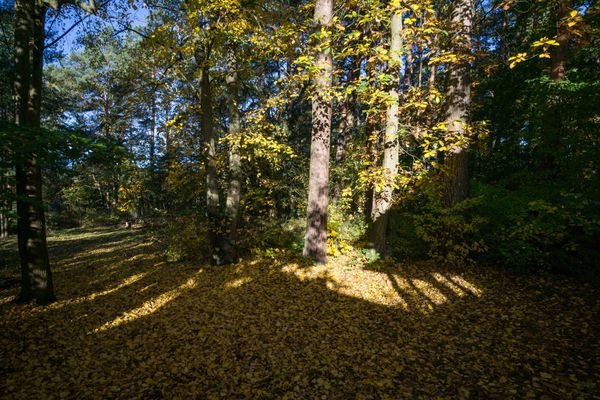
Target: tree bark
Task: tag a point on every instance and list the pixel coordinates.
(315, 244)
(552, 123)
(558, 55)
(36, 276)
(5, 202)
(232, 206)
(456, 161)
(384, 198)
(210, 143)
(347, 115)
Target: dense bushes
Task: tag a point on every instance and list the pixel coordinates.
(538, 226)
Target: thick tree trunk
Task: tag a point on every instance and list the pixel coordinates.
(315, 244)
(456, 162)
(36, 277)
(232, 206)
(384, 198)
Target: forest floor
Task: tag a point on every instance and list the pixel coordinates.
(128, 324)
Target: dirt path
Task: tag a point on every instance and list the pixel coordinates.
(130, 325)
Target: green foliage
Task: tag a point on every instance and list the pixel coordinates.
(271, 237)
(370, 256)
(533, 229)
(450, 233)
(344, 230)
(186, 239)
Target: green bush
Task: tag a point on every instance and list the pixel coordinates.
(529, 229)
(186, 239)
(451, 234)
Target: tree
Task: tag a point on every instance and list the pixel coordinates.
(315, 244)
(384, 197)
(232, 206)
(36, 276)
(456, 162)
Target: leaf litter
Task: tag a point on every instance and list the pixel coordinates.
(128, 324)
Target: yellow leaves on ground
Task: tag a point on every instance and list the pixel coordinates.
(132, 326)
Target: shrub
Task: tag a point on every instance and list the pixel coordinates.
(451, 234)
(186, 239)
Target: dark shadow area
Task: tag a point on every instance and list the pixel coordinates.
(129, 325)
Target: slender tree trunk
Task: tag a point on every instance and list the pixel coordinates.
(210, 143)
(315, 244)
(3, 225)
(371, 123)
(456, 162)
(152, 149)
(431, 80)
(232, 206)
(408, 73)
(384, 198)
(346, 117)
(5, 203)
(559, 53)
(36, 277)
(552, 120)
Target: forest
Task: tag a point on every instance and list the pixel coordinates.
(299, 199)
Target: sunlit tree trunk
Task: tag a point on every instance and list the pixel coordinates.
(36, 277)
(384, 197)
(456, 161)
(315, 244)
(232, 207)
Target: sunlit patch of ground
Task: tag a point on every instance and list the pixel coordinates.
(128, 324)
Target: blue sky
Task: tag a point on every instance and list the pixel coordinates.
(71, 16)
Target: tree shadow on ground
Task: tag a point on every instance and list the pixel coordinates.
(130, 325)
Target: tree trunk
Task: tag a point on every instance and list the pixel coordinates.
(152, 143)
(456, 161)
(3, 225)
(210, 143)
(232, 206)
(384, 198)
(559, 53)
(36, 277)
(345, 130)
(552, 120)
(409, 69)
(5, 202)
(315, 244)
(347, 115)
